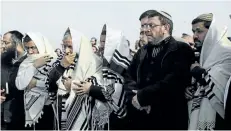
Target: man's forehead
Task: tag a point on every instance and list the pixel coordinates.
(154, 19)
(144, 20)
(67, 42)
(30, 43)
(7, 36)
(199, 25)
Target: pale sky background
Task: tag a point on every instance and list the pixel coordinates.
(52, 18)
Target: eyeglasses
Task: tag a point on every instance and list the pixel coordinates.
(147, 26)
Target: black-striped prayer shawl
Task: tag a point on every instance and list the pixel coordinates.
(208, 100)
(87, 113)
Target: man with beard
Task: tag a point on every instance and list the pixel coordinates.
(12, 108)
(211, 74)
(157, 78)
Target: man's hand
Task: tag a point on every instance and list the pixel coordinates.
(67, 83)
(82, 87)
(42, 61)
(194, 65)
(136, 103)
(32, 83)
(2, 98)
(68, 60)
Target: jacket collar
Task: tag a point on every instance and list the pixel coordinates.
(171, 45)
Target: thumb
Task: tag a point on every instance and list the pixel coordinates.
(134, 91)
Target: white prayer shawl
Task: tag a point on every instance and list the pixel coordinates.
(85, 116)
(37, 97)
(216, 60)
(76, 43)
(86, 66)
(116, 60)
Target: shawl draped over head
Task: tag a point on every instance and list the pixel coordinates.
(216, 60)
(82, 112)
(86, 65)
(35, 98)
(116, 59)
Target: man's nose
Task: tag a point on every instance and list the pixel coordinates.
(195, 36)
(67, 51)
(30, 51)
(147, 32)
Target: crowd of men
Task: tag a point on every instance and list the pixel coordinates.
(167, 83)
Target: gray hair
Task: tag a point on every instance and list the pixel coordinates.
(67, 35)
(15, 40)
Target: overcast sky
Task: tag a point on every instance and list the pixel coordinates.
(51, 18)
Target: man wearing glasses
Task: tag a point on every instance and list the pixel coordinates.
(12, 112)
(157, 78)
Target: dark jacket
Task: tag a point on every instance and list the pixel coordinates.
(161, 83)
(13, 117)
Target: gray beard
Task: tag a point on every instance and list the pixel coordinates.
(156, 42)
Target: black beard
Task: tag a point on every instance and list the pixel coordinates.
(8, 56)
(198, 45)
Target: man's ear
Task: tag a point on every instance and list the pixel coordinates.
(167, 28)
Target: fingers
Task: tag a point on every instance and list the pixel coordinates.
(2, 90)
(48, 59)
(148, 109)
(78, 90)
(72, 55)
(88, 80)
(78, 84)
(3, 98)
